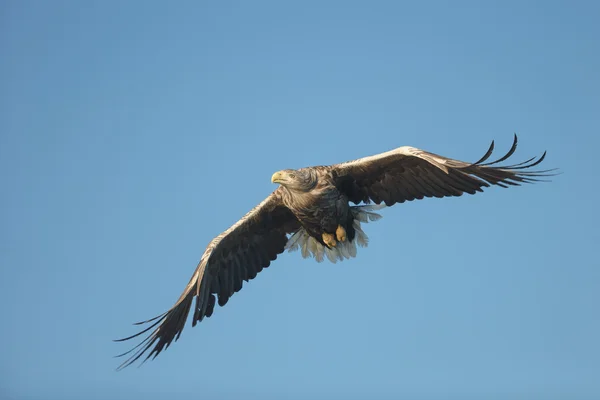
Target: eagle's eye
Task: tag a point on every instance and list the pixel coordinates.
(292, 176)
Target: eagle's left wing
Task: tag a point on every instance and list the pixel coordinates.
(408, 173)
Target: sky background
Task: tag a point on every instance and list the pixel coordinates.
(133, 133)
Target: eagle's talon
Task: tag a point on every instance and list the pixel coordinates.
(329, 239)
(340, 233)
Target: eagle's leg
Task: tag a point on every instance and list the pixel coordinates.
(329, 239)
(340, 233)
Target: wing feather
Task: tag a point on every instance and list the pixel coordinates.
(408, 173)
(237, 254)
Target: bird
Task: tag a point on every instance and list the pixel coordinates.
(320, 211)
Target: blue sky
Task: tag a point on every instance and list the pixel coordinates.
(131, 134)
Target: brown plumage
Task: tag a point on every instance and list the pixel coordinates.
(312, 204)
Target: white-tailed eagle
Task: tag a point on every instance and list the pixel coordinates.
(311, 211)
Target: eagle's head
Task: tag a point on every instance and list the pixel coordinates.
(302, 180)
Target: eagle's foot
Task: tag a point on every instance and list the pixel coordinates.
(340, 233)
(329, 239)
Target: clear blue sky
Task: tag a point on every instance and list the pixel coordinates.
(131, 134)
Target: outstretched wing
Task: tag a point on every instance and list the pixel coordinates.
(407, 173)
(236, 255)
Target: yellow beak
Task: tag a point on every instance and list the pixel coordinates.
(277, 176)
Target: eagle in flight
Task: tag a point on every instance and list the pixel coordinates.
(310, 211)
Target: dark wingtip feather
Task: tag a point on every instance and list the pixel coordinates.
(539, 161)
(150, 320)
(511, 151)
(527, 164)
(142, 331)
(486, 155)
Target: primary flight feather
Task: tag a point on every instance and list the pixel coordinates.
(310, 211)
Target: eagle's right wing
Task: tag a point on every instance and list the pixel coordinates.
(237, 254)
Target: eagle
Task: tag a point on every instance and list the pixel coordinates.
(319, 211)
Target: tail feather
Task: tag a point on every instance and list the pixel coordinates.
(309, 246)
